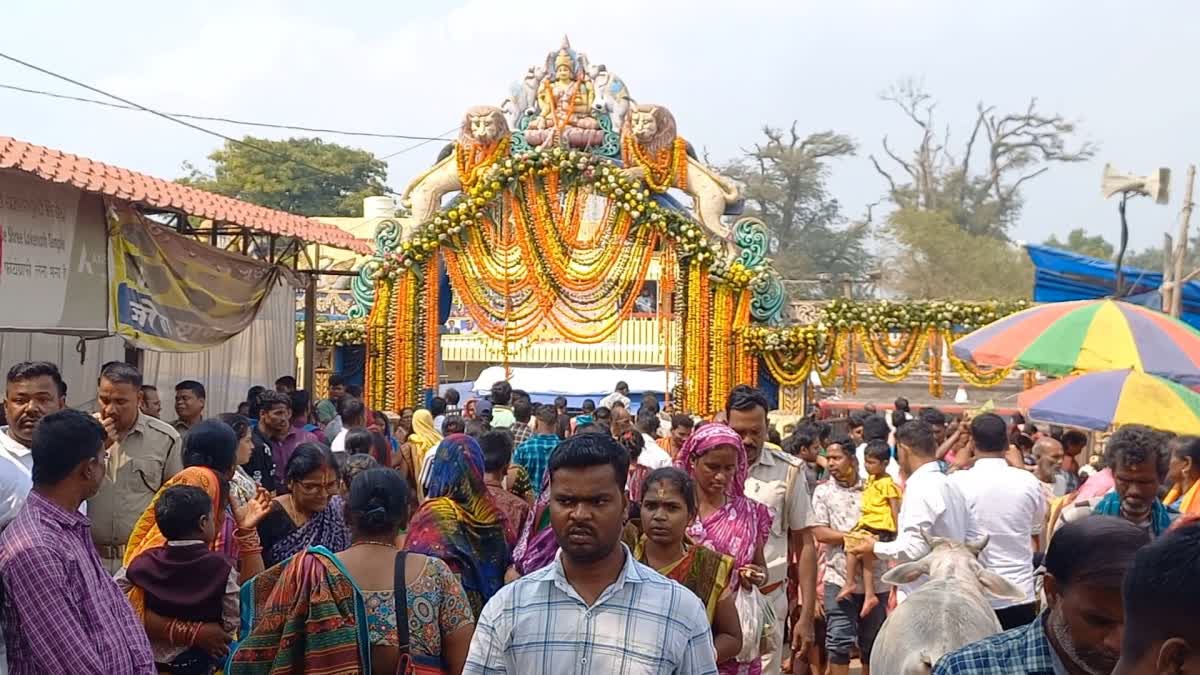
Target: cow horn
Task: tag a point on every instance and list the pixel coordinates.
(977, 547)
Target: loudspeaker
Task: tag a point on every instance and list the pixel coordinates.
(1154, 186)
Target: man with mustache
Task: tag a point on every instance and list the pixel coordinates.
(1139, 459)
(1080, 631)
(594, 609)
(34, 390)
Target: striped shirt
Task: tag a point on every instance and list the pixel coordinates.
(643, 624)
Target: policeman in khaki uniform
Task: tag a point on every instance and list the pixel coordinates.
(143, 453)
(777, 480)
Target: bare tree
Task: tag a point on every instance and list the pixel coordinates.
(980, 183)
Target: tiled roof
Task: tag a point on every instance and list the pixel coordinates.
(92, 176)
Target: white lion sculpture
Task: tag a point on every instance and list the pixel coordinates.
(483, 139)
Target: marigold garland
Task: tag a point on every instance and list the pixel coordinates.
(665, 170)
(887, 367)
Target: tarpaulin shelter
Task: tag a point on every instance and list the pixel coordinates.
(1063, 275)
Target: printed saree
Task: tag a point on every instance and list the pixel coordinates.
(701, 570)
(304, 615)
(326, 529)
(459, 522)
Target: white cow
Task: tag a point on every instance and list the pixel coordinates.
(612, 96)
(945, 613)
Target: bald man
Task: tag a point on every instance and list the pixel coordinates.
(1049, 456)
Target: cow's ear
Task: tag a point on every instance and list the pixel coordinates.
(999, 587)
(906, 573)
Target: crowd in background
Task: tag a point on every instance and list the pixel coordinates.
(499, 535)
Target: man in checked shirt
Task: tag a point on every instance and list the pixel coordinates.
(62, 611)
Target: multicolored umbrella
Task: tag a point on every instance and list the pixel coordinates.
(1086, 336)
(1113, 398)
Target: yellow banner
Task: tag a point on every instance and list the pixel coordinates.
(170, 293)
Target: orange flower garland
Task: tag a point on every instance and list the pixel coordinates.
(432, 337)
(667, 167)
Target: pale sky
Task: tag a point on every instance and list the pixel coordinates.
(1126, 71)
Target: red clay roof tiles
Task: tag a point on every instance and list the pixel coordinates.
(92, 176)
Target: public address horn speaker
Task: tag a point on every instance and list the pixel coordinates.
(1154, 186)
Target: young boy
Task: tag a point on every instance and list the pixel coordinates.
(880, 506)
(185, 582)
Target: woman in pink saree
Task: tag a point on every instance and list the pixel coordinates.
(728, 521)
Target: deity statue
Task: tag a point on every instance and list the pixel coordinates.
(482, 140)
(653, 152)
(564, 98)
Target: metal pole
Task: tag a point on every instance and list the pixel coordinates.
(1124, 244)
(310, 330)
(1181, 244)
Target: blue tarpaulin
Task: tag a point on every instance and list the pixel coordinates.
(1062, 275)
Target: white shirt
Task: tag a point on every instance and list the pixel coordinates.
(15, 484)
(893, 467)
(931, 506)
(14, 450)
(652, 455)
(608, 401)
(1008, 506)
(642, 623)
(20, 456)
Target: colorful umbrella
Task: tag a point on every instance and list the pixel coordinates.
(1085, 336)
(1114, 397)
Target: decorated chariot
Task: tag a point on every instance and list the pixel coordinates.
(545, 216)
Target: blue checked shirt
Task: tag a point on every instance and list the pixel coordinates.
(1020, 651)
(643, 624)
(534, 455)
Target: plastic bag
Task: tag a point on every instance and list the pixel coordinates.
(757, 618)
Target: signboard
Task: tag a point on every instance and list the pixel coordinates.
(53, 257)
(174, 294)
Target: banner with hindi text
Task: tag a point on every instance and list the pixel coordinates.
(170, 293)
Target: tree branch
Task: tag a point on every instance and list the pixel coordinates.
(896, 158)
(891, 182)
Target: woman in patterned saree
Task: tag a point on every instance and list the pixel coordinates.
(668, 505)
(440, 623)
(459, 523)
(727, 521)
(311, 515)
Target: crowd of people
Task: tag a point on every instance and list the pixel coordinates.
(499, 535)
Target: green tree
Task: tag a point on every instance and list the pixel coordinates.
(1079, 241)
(937, 260)
(785, 183)
(317, 179)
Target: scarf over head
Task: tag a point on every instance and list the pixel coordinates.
(459, 523)
(425, 436)
(704, 440)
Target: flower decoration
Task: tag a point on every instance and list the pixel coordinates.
(568, 167)
(336, 333)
